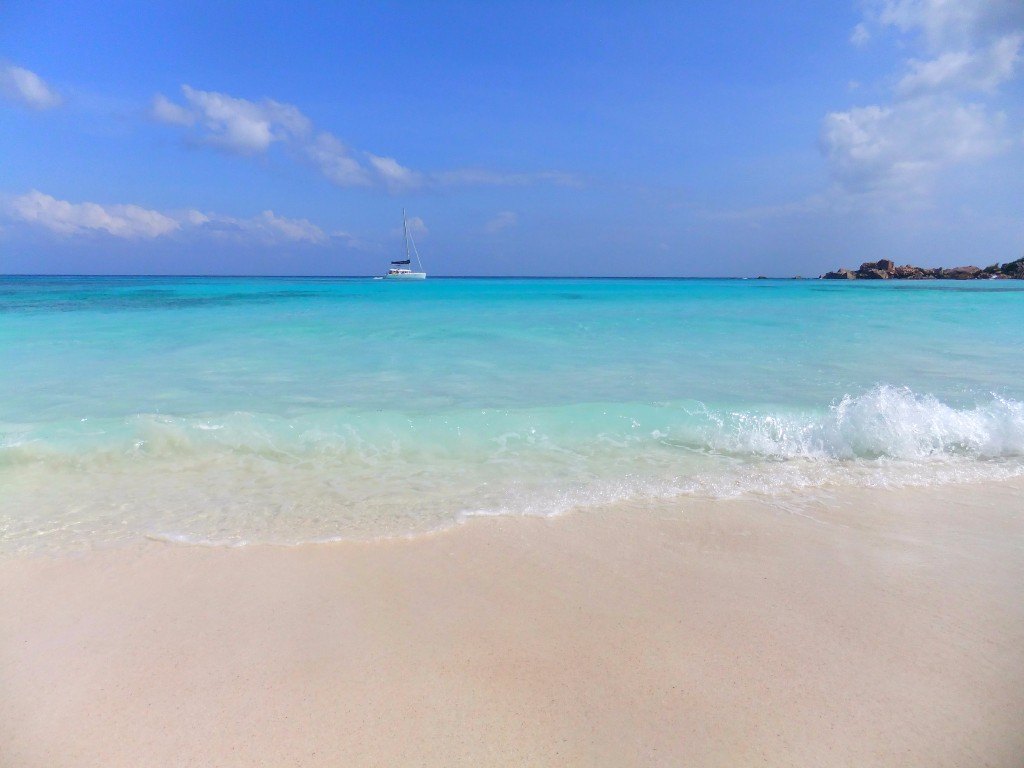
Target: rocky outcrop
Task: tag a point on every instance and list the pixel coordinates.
(886, 269)
(872, 274)
(1013, 270)
(907, 272)
(841, 274)
(877, 270)
(959, 273)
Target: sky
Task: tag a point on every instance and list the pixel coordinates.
(709, 138)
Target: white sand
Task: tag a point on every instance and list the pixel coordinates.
(875, 628)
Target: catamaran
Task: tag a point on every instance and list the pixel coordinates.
(400, 269)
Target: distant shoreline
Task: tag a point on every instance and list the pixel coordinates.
(934, 273)
(886, 269)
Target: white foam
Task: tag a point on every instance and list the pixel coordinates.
(887, 421)
(240, 478)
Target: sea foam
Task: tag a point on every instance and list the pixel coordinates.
(884, 422)
(887, 421)
(236, 478)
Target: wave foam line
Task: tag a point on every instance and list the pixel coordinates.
(885, 422)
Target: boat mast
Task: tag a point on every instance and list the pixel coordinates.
(408, 239)
(405, 234)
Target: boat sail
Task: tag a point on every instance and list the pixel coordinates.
(400, 269)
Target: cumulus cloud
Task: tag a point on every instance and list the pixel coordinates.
(503, 220)
(942, 112)
(900, 147)
(62, 217)
(971, 70)
(948, 23)
(247, 127)
(132, 222)
(236, 125)
(26, 88)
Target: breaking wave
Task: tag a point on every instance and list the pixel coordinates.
(237, 478)
(887, 421)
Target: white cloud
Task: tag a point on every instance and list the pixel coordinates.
(900, 147)
(860, 35)
(949, 23)
(62, 217)
(296, 230)
(26, 88)
(132, 222)
(395, 177)
(166, 111)
(267, 228)
(252, 127)
(236, 125)
(982, 70)
(503, 220)
(333, 160)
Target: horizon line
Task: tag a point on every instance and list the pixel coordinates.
(432, 277)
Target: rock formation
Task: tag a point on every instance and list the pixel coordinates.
(886, 269)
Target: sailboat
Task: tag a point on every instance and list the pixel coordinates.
(400, 269)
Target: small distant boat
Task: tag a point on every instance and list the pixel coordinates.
(400, 269)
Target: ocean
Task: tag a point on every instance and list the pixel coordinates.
(230, 411)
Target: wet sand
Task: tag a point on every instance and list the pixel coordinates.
(868, 627)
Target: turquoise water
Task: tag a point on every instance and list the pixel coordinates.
(234, 410)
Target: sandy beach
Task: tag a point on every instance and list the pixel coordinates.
(867, 627)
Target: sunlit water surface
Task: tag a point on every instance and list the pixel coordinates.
(235, 410)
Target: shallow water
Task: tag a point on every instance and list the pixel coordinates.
(235, 410)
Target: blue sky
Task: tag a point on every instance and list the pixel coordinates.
(725, 138)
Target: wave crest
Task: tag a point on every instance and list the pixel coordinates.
(245, 477)
(885, 422)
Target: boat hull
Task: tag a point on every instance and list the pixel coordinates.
(407, 276)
